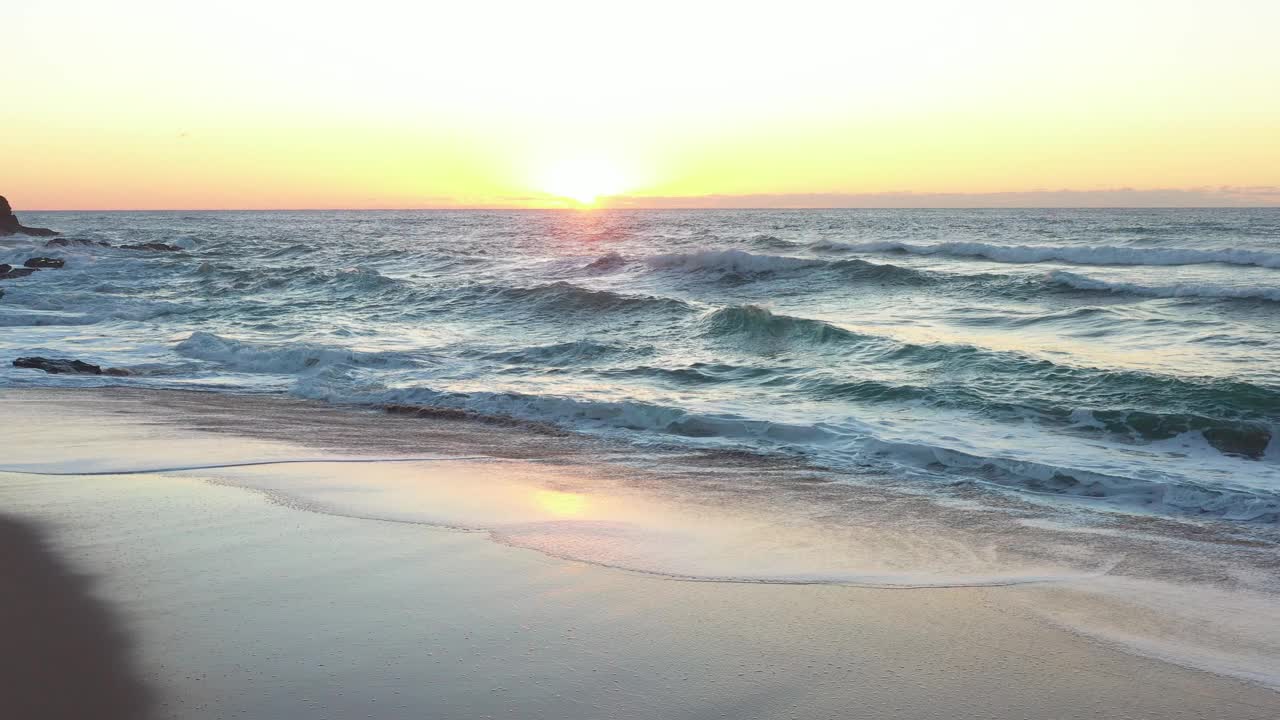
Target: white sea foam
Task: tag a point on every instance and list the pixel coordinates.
(1111, 477)
(280, 359)
(27, 305)
(1177, 290)
(541, 508)
(1234, 633)
(730, 261)
(1074, 254)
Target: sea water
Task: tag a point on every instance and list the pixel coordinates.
(1128, 359)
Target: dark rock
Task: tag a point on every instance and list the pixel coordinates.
(1250, 442)
(9, 223)
(36, 232)
(5, 267)
(159, 247)
(612, 261)
(14, 272)
(68, 242)
(43, 262)
(57, 366)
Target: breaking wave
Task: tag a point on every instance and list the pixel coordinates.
(1073, 254)
(1179, 290)
(756, 323)
(739, 262)
(282, 359)
(838, 444)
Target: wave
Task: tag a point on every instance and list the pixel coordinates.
(740, 262)
(282, 359)
(1051, 388)
(25, 307)
(845, 443)
(1074, 254)
(577, 414)
(364, 275)
(1243, 438)
(606, 263)
(293, 250)
(313, 279)
(36, 319)
(885, 272)
(577, 352)
(1149, 494)
(730, 261)
(693, 374)
(565, 296)
(773, 242)
(1039, 405)
(1246, 439)
(743, 263)
(1198, 290)
(758, 324)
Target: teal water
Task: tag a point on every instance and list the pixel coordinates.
(1114, 361)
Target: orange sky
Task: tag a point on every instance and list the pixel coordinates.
(149, 104)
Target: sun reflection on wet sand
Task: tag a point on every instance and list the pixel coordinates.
(560, 503)
(603, 522)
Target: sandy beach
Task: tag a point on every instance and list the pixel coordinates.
(640, 361)
(261, 591)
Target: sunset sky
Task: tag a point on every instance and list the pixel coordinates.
(273, 104)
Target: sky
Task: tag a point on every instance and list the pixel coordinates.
(149, 104)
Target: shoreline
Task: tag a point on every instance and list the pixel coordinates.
(209, 576)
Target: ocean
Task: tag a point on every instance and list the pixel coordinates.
(1113, 362)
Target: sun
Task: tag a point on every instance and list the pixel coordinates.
(582, 180)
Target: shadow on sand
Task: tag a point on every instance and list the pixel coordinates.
(62, 653)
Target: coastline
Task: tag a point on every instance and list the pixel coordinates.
(244, 590)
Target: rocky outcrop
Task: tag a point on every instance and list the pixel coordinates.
(70, 242)
(58, 366)
(9, 224)
(8, 272)
(159, 247)
(43, 262)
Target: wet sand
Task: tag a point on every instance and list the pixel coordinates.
(237, 596)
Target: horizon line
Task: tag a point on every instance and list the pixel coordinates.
(674, 208)
(1196, 197)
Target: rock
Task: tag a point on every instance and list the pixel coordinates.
(1251, 442)
(14, 272)
(5, 267)
(612, 261)
(56, 366)
(68, 242)
(9, 223)
(159, 247)
(43, 262)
